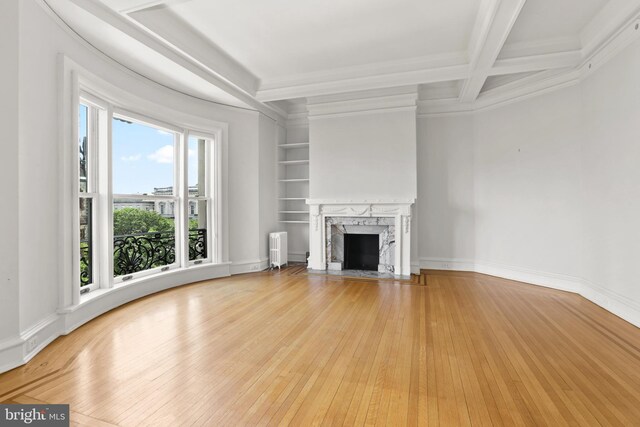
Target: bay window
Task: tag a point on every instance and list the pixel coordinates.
(146, 194)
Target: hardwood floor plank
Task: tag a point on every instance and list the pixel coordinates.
(288, 348)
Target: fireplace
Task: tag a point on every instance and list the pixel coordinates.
(340, 228)
(361, 251)
(332, 222)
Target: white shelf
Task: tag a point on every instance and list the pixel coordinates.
(295, 222)
(294, 212)
(292, 198)
(290, 146)
(295, 180)
(294, 162)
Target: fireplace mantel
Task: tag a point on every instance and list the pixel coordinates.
(321, 209)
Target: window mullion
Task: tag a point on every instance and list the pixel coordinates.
(183, 186)
(105, 201)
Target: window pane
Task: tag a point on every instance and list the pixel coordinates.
(86, 242)
(197, 229)
(197, 167)
(143, 238)
(143, 160)
(83, 145)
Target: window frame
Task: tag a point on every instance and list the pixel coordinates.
(209, 197)
(124, 114)
(102, 195)
(92, 189)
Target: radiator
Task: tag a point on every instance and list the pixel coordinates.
(278, 249)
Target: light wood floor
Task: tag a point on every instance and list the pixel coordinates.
(288, 348)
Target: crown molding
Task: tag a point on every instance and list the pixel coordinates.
(615, 15)
(612, 46)
(540, 47)
(519, 90)
(367, 70)
(432, 75)
(526, 64)
(362, 103)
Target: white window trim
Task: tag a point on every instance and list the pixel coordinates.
(76, 81)
(93, 182)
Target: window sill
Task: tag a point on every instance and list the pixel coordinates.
(163, 280)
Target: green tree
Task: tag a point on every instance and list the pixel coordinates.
(133, 221)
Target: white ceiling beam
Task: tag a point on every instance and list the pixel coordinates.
(137, 5)
(135, 31)
(550, 61)
(432, 75)
(174, 30)
(488, 38)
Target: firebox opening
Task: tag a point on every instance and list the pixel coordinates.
(361, 251)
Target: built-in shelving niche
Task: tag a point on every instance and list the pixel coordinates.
(293, 160)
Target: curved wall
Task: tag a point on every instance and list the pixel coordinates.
(32, 318)
(545, 190)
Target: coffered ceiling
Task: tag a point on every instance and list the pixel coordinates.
(455, 52)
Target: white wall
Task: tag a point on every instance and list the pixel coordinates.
(611, 161)
(267, 183)
(502, 189)
(446, 188)
(363, 156)
(9, 219)
(544, 190)
(527, 176)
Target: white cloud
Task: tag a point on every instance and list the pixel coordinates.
(132, 158)
(192, 152)
(162, 155)
(163, 132)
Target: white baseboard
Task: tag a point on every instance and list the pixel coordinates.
(446, 264)
(251, 266)
(616, 304)
(19, 350)
(297, 256)
(612, 302)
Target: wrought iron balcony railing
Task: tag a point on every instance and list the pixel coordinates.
(143, 251)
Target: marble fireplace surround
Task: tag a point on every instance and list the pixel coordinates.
(390, 219)
(338, 226)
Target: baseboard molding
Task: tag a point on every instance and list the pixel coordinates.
(616, 304)
(297, 256)
(252, 266)
(19, 350)
(612, 302)
(446, 264)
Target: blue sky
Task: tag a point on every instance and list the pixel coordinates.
(142, 156)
